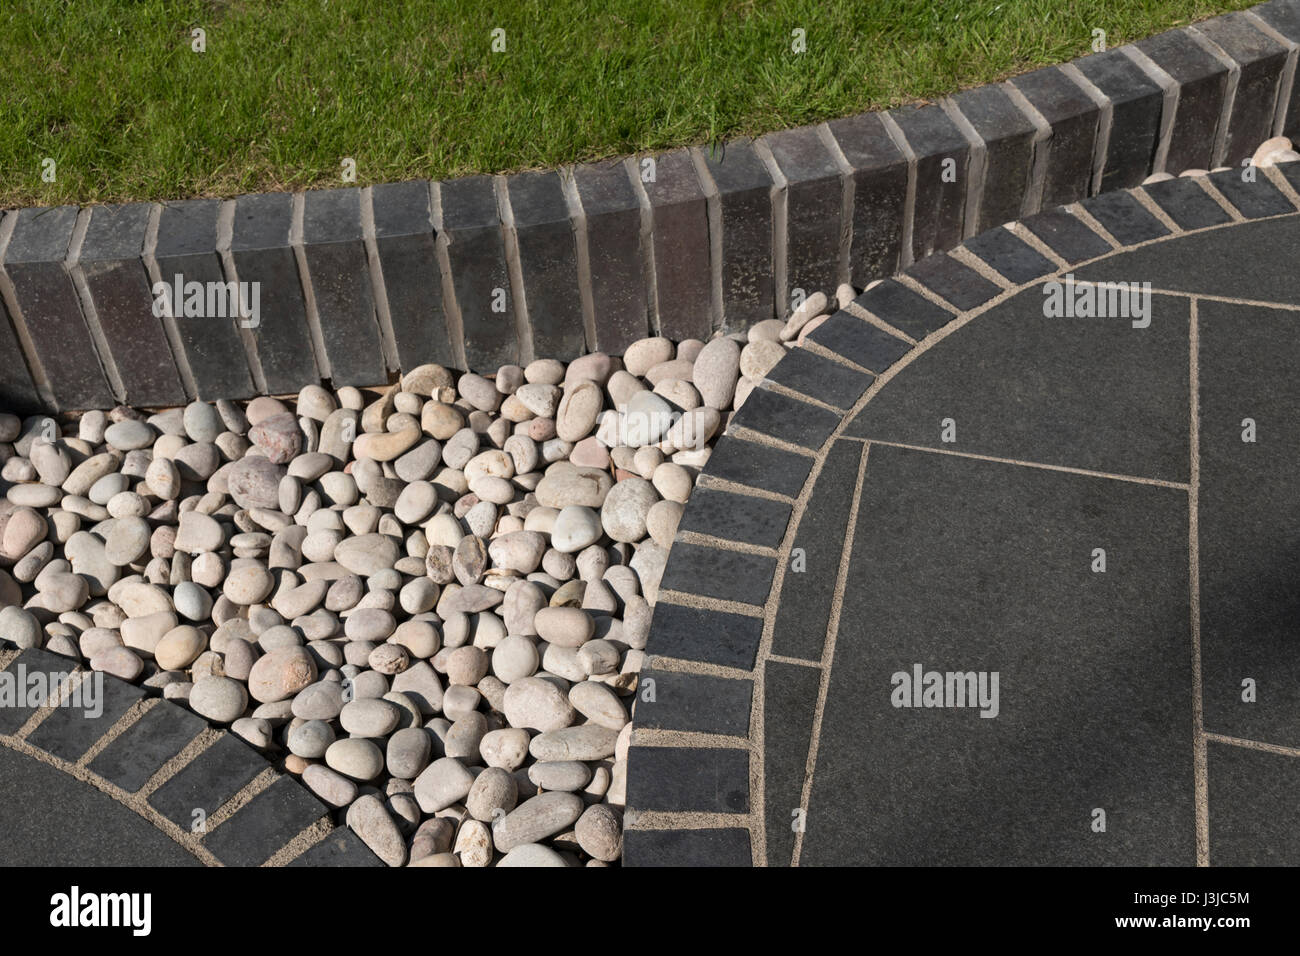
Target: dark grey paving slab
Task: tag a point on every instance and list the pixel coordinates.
(106, 833)
(340, 847)
(1066, 235)
(208, 781)
(1254, 820)
(1186, 203)
(790, 700)
(942, 171)
(1008, 136)
(688, 779)
(264, 824)
(713, 847)
(548, 260)
(908, 311)
(614, 250)
(961, 285)
(1125, 218)
(879, 194)
(1058, 391)
(974, 566)
(1202, 84)
(785, 418)
(711, 637)
(141, 750)
(186, 247)
(1013, 258)
(759, 466)
(1136, 105)
(814, 206)
(734, 517)
(1249, 510)
(1248, 261)
(810, 374)
(810, 577)
(701, 703)
(68, 732)
(859, 341)
(745, 203)
(1254, 198)
(717, 573)
(53, 670)
(1074, 118)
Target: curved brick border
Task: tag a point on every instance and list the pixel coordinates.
(696, 774)
(359, 283)
(162, 762)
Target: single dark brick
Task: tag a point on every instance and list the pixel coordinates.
(1284, 17)
(408, 258)
(339, 272)
(959, 284)
(477, 252)
(261, 253)
(711, 637)
(786, 418)
(790, 702)
(1186, 203)
(30, 662)
(1066, 235)
(1202, 83)
(814, 208)
(733, 517)
(68, 732)
(745, 199)
(50, 309)
(820, 378)
(695, 702)
(264, 824)
(858, 341)
(812, 569)
(187, 247)
(759, 466)
(713, 572)
(942, 170)
(683, 279)
(208, 781)
(699, 779)
(905, 310)
(720, 847)
(1073, 117)
(1013, 258)
(1254, 200)
(119, 287)
(17, 389)
(1008, 136)
(341, 847)
(615, 253)
(548, 258)
(879, 195)
(142, 749)
(1124, 218)
(1136, 104)
(1262, 60)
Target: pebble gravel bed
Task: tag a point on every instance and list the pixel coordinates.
(428, 602)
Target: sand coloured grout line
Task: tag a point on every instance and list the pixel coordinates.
(816, 348)
(251, 789)
(685, 820)
(859, 312)
(762, 438)
(1043, 249)
(1213, 192)
(1248, 744)
(1284, 186)
(678, 665)
(1200, 769)
(120, 726)
(725, 544)
(66, 686)
(973, 262)
(655, 737)
(1088, 473)
(301, 843)
(797, 661)
(701, 602)
(1151, 206)
(1091, 221)
(706, 480)
(828, 647)
(925, 292)
(768, 385)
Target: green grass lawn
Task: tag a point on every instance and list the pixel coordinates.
(113, 93)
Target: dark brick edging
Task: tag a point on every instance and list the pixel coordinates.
(473, 273)
(691, 795)
(209, 776)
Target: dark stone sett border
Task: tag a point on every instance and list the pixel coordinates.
(160, 762)
(721, 613)
(359, 284)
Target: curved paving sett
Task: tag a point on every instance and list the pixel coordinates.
(836, 540)
(124, 787)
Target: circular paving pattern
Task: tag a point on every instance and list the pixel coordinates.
(1001, 568)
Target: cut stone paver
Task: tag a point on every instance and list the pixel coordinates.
(1033, 603)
